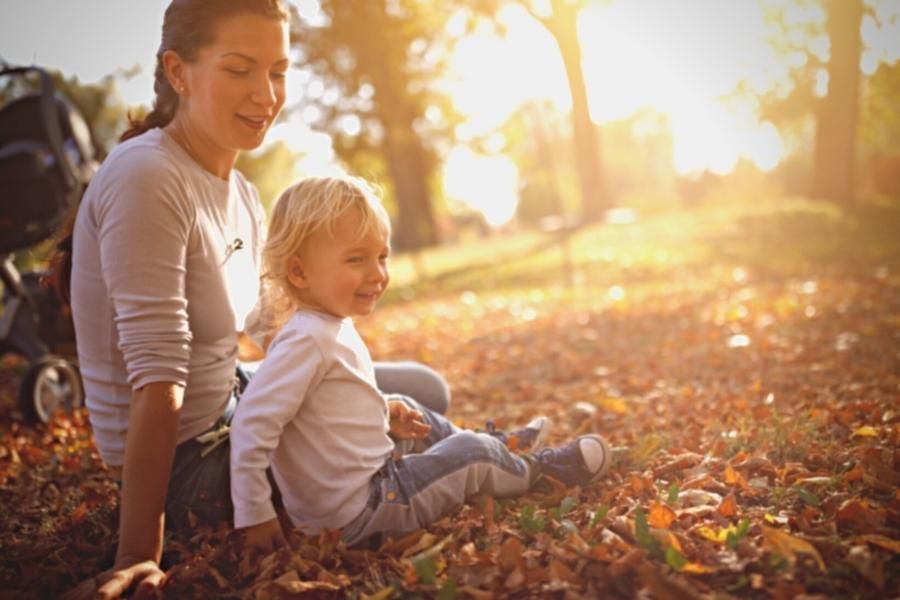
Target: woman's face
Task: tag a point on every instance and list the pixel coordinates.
(235, 87)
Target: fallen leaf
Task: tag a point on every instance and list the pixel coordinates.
(788, 546)
(729, 506)
(661, 516)
(615, 405)
(509, 554)
(865, 431)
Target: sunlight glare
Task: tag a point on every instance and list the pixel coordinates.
(486, 183)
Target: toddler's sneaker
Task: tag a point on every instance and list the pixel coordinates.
(530, 438)
(580, 462)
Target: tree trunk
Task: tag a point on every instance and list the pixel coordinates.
(415, 218)
(408, 159)
(563, 25)
(836, 121)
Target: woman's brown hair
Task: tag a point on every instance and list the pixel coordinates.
(188, 27)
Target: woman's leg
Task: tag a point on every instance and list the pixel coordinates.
(415, 380)
(417, 490)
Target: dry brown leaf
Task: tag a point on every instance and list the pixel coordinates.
(509, 554)
(788, 546)
(627, 562)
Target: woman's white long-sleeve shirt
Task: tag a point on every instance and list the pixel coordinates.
(159, 289)
(313, 412)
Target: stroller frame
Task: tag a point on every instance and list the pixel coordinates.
(56, 153)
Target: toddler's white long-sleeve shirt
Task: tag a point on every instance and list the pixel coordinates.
(313, 412)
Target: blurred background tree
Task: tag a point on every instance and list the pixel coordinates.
(839, 119)
(560, 18)
(374, 64)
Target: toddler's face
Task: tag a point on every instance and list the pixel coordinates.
(340, 273)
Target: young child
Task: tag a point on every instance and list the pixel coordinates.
(313, 413)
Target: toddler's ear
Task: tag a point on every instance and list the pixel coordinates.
(296, 274)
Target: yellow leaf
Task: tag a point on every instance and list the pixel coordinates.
(673, 540)
(709, 534)
(716, 536)
(616, 405)
(865, 431)
(789, 546)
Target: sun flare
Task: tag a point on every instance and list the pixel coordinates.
(678, 60)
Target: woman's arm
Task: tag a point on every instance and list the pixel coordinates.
(149, 450)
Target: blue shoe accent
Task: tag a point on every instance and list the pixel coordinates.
(530, 438)
(580, 462)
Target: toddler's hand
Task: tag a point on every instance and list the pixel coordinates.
(406, 423)
(266, 536)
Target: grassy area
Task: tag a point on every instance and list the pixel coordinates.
(778, 236)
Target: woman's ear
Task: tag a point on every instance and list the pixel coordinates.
(296, 274)
(176, 72)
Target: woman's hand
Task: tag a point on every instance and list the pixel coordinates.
(266, 536)
(406, 423)
(144, 574)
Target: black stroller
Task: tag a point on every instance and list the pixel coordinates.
(46, 160)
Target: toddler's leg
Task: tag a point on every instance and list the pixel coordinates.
(418, 489)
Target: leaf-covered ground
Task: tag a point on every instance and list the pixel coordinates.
(745, 364)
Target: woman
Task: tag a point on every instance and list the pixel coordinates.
(165, 273)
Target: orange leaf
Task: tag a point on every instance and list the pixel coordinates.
(732, 477)
(615, 405)
(854, 474)
(558, 570)
(729, 506)
(79, 512)
(696, 568)
(602, 553)
(661, 516)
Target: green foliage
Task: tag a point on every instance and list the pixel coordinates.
(807, 496)
(674, 558)
(880, 119)
(565, 507)
(644, 539)
(599, 515)
(732, 539)
(672, 495)
(426, 568)
(529, 520)
(448, 591)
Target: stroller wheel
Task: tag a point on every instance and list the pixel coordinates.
(51, 383)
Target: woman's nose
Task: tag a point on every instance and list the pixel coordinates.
(265, 93)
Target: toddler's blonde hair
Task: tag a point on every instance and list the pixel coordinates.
(301, 210)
